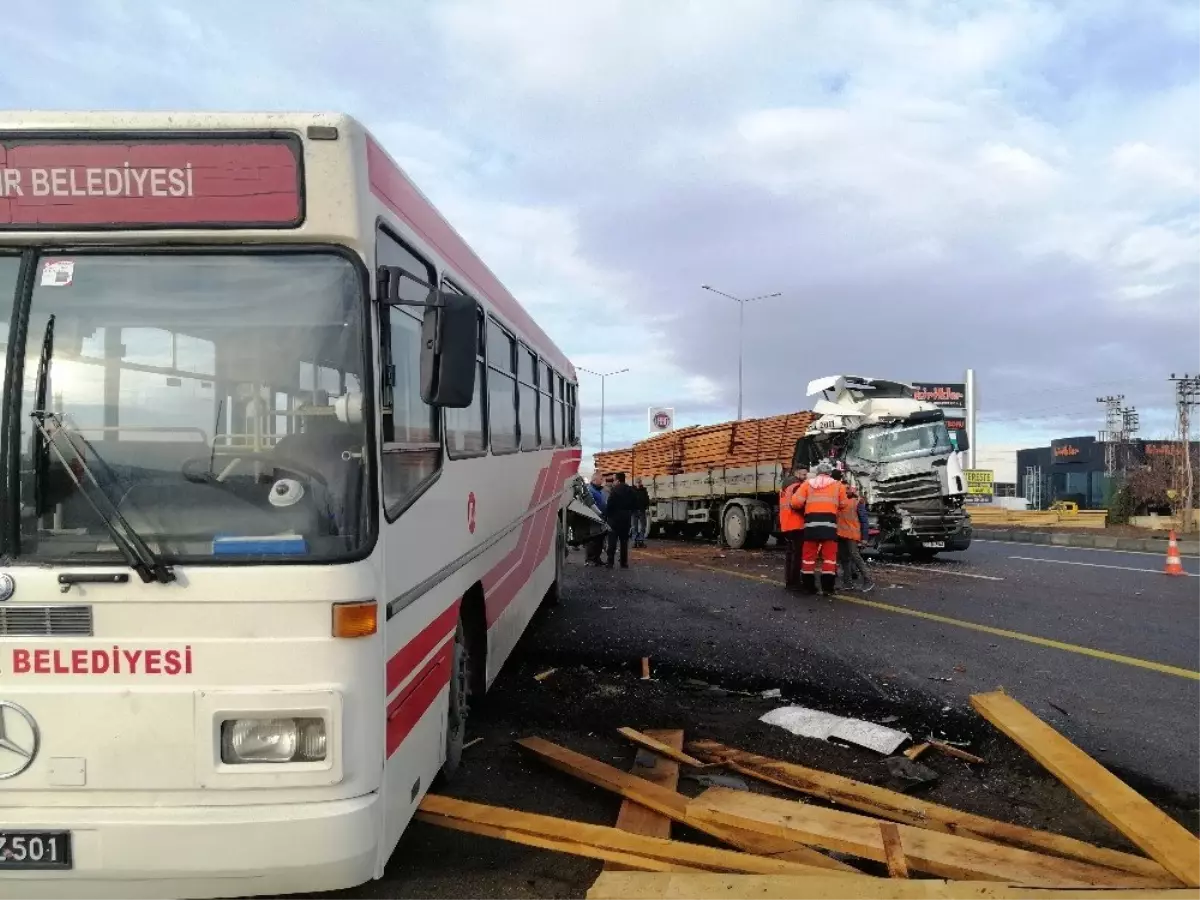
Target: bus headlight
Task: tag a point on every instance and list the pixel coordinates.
(272, 740)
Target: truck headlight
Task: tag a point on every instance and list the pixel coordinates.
(272, 740)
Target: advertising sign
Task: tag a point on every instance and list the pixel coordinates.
(1072, 451)
(149, 182)
(662, 419)
(942, 394)
(980, 485)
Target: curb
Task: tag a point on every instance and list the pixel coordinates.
(1095, 542)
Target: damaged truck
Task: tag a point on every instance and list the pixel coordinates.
(897, 452)
(723, 481)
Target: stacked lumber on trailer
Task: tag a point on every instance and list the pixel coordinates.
(781, 846)
(699, 448)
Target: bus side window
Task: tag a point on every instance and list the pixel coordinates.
(560, 409)
(502, 388)
(411, 452)
(466, 429)
(527, 397)
(546, 405)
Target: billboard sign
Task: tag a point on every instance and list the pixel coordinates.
(661, 418)
(149, 181)
(941, 394)
(981, 485)
(1072, 451)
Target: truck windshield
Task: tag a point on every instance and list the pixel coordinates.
(198, 393)
(887, 443)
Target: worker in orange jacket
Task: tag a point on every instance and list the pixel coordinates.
(852, 519)
(821, 498)
(791, 527)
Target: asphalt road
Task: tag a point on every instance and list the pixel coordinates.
(1119, 675)
(1107, 655)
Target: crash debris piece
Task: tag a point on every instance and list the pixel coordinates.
(645, 668)
(904, 774)
(893, 849)
(542, 676)
(804, 722)
(916, 750)
(951, 750)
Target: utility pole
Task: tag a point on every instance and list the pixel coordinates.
(1131, 422)
(603, 376)
(1112, 431)
(741, 302)
(1187, 397)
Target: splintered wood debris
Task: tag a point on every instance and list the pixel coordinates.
(893, 842)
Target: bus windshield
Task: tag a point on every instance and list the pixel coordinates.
(899, 440)
(213, 400)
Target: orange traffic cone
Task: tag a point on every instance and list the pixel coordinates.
(1174, 563)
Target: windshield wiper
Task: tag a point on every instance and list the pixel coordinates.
(135, 550)
(39, 452)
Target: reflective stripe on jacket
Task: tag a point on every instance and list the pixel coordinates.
(822, 498)
(790, 518)
(848, 525)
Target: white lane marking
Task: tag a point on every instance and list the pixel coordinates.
(1071, 562)
(1158, 553)
(938, 571)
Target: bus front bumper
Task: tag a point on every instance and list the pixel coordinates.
(212, 851)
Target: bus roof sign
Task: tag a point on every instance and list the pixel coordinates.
(75, 182)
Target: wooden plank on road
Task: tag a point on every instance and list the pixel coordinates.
(944, 855)
(707, 886)
(909, 810)
(669, 803)
(1164, 839)
(517, 825)
(638, 819)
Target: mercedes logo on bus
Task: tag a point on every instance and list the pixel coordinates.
(7, 586)
(20, 739)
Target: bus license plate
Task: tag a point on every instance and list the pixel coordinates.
(35, 850)
(934, 545)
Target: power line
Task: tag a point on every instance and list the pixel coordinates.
(1187, 398)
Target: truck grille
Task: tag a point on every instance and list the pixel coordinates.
(907, 488)
(45, 621)
(938, 527)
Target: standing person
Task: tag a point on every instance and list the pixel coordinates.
(622, 504)
(864, 528)
(849, 532)
(791, 528)
(596, 544)
(641, 516)
(821, 497)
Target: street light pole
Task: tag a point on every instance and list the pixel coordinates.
(603, 376)
(741, 302)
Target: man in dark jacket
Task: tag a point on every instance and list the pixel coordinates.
(622, 504)
(641, 519)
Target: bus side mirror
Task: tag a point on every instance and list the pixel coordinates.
(449, 349)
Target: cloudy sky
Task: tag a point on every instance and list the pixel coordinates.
(1009, 186)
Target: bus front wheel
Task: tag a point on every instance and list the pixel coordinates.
(460, 696)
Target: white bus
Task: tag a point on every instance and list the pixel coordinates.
(284, 471)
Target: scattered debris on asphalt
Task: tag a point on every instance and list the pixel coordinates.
(471, 743)
(951, 750)
(645, 668)
(904, 774)
(853, 840)
(916, 750)
(804, 722)
(772, 694)
(542, 676)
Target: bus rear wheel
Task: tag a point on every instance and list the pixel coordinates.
(460, 699)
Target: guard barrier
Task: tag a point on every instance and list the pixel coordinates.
(998, 516)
